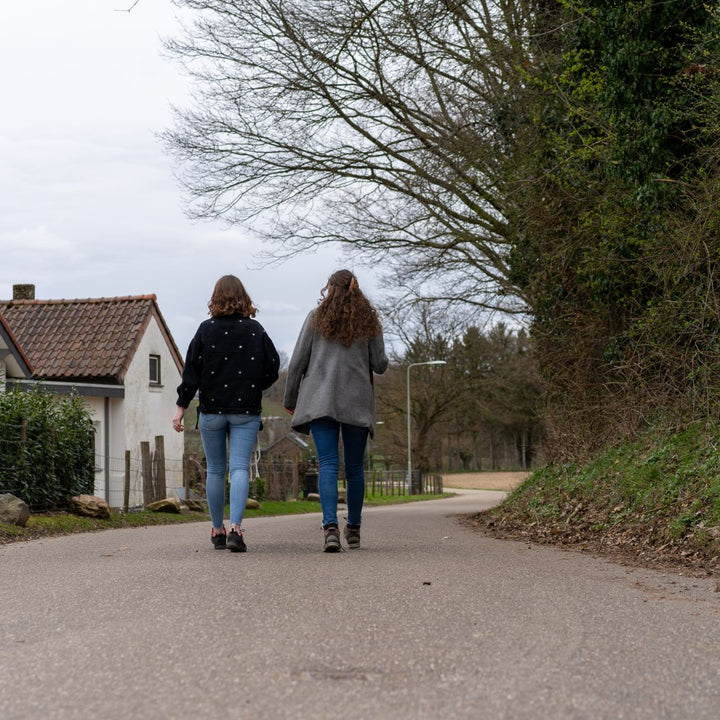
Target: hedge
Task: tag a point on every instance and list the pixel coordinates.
(46, 447)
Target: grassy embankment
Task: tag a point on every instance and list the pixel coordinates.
(655, 500)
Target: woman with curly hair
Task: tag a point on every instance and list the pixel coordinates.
(329, 392)
(231, 360)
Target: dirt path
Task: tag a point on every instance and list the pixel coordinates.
(484, 480)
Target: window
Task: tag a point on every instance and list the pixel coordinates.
(155, 370)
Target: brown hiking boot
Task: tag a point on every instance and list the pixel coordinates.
(332, 539)
(352, 536)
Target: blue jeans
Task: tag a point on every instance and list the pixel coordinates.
(326, 434)
(242, 431)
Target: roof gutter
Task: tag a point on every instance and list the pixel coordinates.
(68, 388)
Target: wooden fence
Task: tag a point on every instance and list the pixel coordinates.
(285, 480)
(270, 479)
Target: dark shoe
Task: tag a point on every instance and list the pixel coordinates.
(235, 542)
(218, 539)
(352, 536)
(332, 539)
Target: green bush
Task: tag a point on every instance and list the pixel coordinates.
(46, 447)
(258, 491)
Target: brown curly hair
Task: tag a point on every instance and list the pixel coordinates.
(230, 297)
(344, 313)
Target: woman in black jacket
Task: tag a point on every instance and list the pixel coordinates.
(231, 360)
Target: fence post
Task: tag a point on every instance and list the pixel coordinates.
(186, 473)
(160, 486)
(295, 478)
(126, 489)
(146, 472)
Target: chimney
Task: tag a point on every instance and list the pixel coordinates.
(23, 292)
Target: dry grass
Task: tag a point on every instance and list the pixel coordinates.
(506, 481)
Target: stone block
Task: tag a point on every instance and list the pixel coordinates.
(13, 510)
(90, 506)
(168, 505)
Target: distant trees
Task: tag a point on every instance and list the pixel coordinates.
(480, 411)
(477, 412)
(499, 412)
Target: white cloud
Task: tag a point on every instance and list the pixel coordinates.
(89, 206)
(36, 252)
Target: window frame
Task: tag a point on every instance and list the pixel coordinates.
(154, 360)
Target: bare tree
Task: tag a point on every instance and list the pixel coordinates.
(379, 124)
(421, 335)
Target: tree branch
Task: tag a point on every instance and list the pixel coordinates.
(128, 9)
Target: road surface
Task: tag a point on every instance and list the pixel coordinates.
(429, 619)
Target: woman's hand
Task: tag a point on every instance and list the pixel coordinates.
(291, 411)
(177, 421)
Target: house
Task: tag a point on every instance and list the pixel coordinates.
(116, 353)
(281, 464)
(290, 446)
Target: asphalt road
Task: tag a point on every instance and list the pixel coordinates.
(427, 620)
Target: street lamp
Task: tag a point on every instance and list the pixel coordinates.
(409, 446)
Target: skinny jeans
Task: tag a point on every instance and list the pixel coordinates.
(326, 434)
(220, 433)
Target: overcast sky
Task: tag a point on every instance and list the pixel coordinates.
(89, 206)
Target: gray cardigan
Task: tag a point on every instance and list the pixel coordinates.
(327, 379)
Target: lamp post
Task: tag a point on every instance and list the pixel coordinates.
(409, 445)
(368, 448)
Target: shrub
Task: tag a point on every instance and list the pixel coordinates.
(258, 489)
(46, 447)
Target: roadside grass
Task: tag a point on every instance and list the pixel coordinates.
(297, 507)
(62, 523)
(278, 507)
(654, 499)
(395, 499)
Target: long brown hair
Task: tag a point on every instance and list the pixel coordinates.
(229, 297)
(344, 313)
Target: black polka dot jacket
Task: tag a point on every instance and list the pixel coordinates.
(231, 360)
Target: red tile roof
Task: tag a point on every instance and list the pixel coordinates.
(91, 340)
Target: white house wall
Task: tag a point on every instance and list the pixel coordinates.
(148, 411)
(95, 407)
